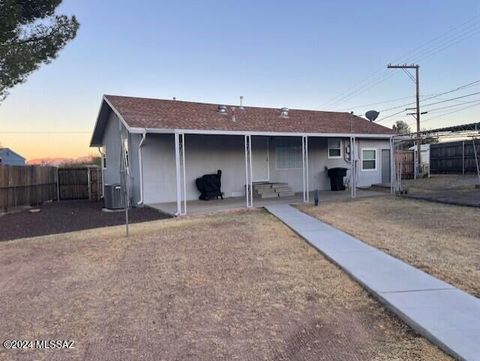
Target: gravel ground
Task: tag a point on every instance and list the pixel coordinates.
(443, 240)
(231, 286)
(67, 216)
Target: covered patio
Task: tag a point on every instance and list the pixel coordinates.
(299, 160)
(202, 207)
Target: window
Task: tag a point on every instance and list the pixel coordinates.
(369, 159)
(289, 156)
(334, 148)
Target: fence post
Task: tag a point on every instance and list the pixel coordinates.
(58, 186)
(89, 184)
(476, 160)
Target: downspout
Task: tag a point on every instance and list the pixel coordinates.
(140, 165)
(102, 159)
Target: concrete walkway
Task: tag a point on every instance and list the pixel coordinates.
(445, 315)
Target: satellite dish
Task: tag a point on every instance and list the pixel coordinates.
(372, 115)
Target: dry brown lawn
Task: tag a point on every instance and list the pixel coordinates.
(231, 286)
(441, 182)
(443, 240)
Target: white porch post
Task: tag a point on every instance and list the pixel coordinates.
(180, 174)
(392, 165)
(306, 188)
(248, 172)
(353, 178)
(184, 175)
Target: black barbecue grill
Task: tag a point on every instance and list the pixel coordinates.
(209, 186)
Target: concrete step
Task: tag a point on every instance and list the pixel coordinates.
(269, 185)
(272, 190)
(264, 190)
(286, 194)
(268, 195)
(282, 189)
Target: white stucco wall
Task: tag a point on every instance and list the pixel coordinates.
(319, 162)
(111, 149)
(368, 177)
(203, 155)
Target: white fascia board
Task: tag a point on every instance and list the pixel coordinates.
(151, 130)
(96, 121)
(241, 132)
(280, 134)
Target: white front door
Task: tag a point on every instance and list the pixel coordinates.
(260, 159)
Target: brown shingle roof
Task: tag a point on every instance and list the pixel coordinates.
(175, 114)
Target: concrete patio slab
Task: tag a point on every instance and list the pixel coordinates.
(203, 207)
(442, 313)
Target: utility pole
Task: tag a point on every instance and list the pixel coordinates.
(417, 86)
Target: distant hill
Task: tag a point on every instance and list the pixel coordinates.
(64, 161)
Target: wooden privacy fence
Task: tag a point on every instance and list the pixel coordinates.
(26, 185)
(405, 163)
(454, 157)
(33, 185)
(80, 183)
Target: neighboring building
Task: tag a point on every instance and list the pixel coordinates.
(171, 143)
(9, 157)
(424, 156)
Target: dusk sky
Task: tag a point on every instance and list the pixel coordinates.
(298, 54)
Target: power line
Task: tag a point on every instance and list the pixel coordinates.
(446, 43)
(445, 40)
(454, 90)
(452, 112)
(391, 115)
(451, 99)
(453, 105)
(377, 103)
(461, 87)
(412, 78)
(444, 34)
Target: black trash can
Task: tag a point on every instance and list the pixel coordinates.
(336, 178)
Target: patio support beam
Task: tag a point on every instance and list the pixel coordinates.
(180, 174)
(248, 172)
(392, 165)
(353, 173)
(306, 188)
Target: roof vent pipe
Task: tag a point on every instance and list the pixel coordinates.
(241, 102)
(284, 112)
(222, 109)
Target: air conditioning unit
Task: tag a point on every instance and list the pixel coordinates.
(114, 198)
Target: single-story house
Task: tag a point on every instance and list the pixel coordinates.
(9, 157)
(170, 143)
